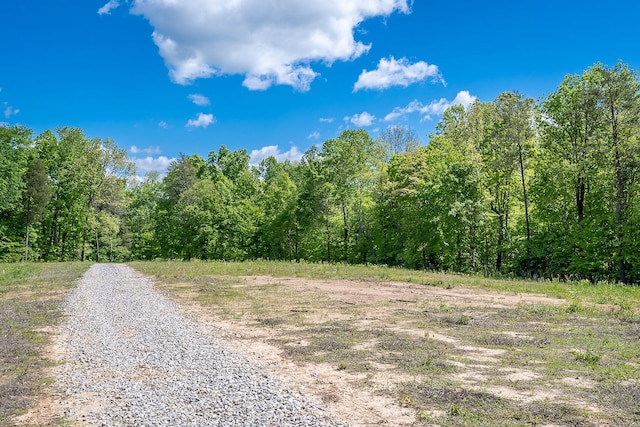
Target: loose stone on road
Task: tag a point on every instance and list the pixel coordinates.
(133, 358)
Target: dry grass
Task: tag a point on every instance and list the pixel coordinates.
(475, 356)
(30, 298)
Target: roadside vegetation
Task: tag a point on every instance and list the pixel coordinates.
(452, 349)
(30, 299)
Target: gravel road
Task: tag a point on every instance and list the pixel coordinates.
(134, 358)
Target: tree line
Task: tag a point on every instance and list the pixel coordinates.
(509, 187)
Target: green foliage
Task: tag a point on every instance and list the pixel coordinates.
(505, 187)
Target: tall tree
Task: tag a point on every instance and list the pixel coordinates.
(141, 215)
(36, 196)
(348, 160)
(14, 151)
(620, 97)
(514, 127)
(566, 187)
(398, 139)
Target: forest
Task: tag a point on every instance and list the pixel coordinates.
(517, 187)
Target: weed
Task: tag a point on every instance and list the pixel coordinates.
(455, 410)
(461, 320)
(575, 307)
(587, 356)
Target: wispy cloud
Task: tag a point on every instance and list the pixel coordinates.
(149, 150)
(203, 121)
(278, 45)
(10, 111)
(362, 120)
(149, 163)
(401, 72)
(435, 107)
(199, 100)
(163, 124)
(106, 9)
(326, 119)
(314, 135)
(272, 150)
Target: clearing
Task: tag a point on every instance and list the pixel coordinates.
(399, 353)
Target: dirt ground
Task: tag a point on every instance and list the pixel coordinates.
(367, 398)
(296, 328)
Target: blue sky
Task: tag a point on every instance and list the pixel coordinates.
(162, 77)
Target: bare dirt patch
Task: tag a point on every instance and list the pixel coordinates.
(373, 352)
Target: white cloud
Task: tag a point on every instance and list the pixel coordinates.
(106, 9)
(203, 121)
(392, 72)
(269, 43)
(149, 150)
(163, 124)
(435, 107)
(362, 120)
(326, 119)
(148, 164)
(464, 98)
(314, 135)
(199, 100)
(272, 150)
(10, 111)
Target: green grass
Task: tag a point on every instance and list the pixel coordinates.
(619, 297)
(30, 298)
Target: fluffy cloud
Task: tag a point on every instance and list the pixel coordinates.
(266, 42)
(435, 107)
(148, 164)
(106, 9)
(203, 121)
(362, 120)
(272, 150)
(163, 125)
(392, 72)
(200, 100)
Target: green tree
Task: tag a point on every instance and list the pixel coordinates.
(79, 168)
(280, 196)
(14, 152)
(348, 163)
(36, 195)
(620, 97)
(567, 187)
(142, 210)
(514, 128)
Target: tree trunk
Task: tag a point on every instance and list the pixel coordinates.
(97, 247)
(580, 193)
(345, 226)
(619, 204)
(500, 243)
(526, 211)
(26, 243)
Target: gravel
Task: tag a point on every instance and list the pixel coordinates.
(132, 357)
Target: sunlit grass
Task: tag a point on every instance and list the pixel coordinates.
(30, 299)
(612, 294)
(591, 334)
